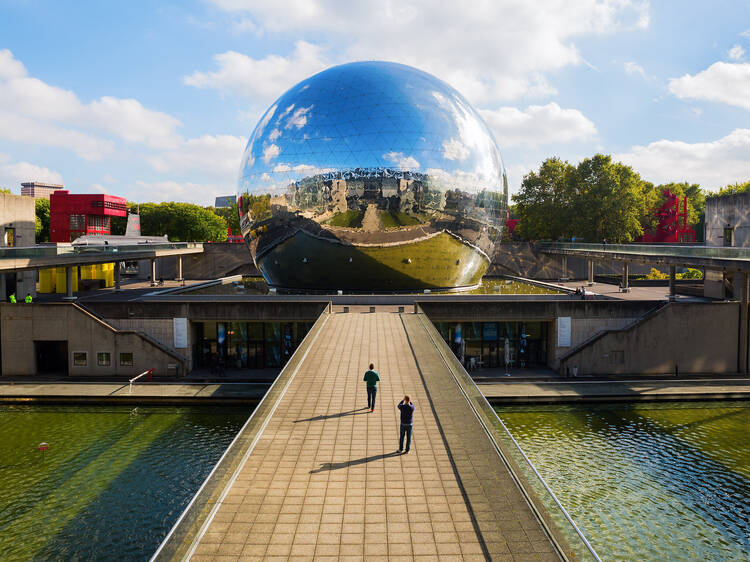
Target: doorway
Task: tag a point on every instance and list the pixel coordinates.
(51, 357)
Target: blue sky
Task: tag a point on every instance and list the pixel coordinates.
(155, 101)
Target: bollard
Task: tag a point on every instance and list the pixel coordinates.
(346, 309)
(372, 309)
(400, 309)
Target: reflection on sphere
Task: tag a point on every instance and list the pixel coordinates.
(372, 176)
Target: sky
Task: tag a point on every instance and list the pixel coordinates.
(155, 101)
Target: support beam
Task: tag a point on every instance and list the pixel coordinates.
(743, 351)
(564, 268)
(625, 286)
(69, 284)
(590, 271)
(179, 269)
(672, 285)
(118, 288)
(153, 272)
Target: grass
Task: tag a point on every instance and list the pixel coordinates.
(349, 219)
(392, 219)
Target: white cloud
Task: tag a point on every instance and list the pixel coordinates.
(270, 152)
(736, 52)
(217, 156)
(538, 124)
(491, 51)
(721, 82)
(745, 33)
(281, 168)
(54, 116)
(712, 164)
(402, 161)
(13, 173)
(633, 68)
(454, 149)
(260, 79)
(298, 118)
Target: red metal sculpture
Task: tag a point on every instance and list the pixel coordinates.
(669, 230)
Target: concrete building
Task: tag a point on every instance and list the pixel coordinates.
(17, 215)
(728, 220)
(39, 190)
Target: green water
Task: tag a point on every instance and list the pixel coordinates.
(647, 481)
(113, 481)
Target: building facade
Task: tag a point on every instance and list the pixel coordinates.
(728, 220)
(17, 215)
(39, 190)
(75, 215)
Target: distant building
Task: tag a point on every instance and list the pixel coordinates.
(728, 220)
(17, 219)
(39, 190)
(72, 216)
(225, 201)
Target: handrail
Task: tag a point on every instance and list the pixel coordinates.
(565, 513)
(143, 374)
(211, 493)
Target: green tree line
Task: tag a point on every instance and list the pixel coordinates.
(181, 222)
(598, 199)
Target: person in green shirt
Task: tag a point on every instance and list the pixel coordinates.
(12, 298)
(371, 378)
(28, 298)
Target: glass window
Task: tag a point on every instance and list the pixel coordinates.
(80, 358)
(103, 359)
(126, 359)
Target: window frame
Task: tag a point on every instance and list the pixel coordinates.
(132, 359)
(85, 358)
(99, 363)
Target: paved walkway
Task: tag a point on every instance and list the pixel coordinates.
(117, 392)
(568, 391)
(324, 480)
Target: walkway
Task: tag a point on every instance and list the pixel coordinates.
(324, 480)
(567, 390)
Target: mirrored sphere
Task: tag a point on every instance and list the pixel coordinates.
(372, 176)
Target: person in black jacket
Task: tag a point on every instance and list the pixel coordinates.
(407, 423)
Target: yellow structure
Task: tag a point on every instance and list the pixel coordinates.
(60, 282)
(47, 279)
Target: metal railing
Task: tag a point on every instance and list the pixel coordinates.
(664, 250)
(183, 538)
(541, 497)
(21, 252)
(143, 374)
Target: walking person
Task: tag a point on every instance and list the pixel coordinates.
(407, 423)
(371, 378)
(28, 299)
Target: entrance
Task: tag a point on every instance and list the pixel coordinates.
(51, 357)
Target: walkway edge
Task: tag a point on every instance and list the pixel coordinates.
(173, 547)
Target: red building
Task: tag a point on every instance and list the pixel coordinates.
(71, 216)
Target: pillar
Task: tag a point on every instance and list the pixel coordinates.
(564, 267)
(625, 285)
(179, 269)
(590, 272)
(117, 276)
(743, 366)
(3, 296)
(69, 282)
(153, 272)
(672, 286)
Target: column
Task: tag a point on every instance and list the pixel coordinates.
(672, 288)
(590, 267)
(179, 269)
(743, 366)
(117, 277)
(564, 267)
(3, 296)
(625, 285)
(69, 283)
(153, 272)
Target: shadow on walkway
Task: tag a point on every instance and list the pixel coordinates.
(344, 464)
(329, 416)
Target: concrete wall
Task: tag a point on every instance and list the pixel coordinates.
(217, 260)
(698, 337)
(731, 211)
(19, 213)
(22, 324)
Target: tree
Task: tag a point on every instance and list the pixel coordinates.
(732, 189)
(545, 202)
(41, 224)
(230, 215)
(595, 200)
(181, 222)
